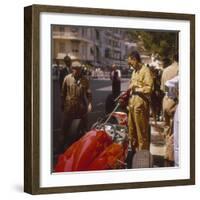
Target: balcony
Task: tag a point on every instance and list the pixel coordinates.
(70, 36)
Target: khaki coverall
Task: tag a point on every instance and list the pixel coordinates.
(138, 120)
(169, 105)
(75, 96)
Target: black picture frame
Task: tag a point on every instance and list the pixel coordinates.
(32, 98)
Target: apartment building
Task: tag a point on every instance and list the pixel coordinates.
(99, 47)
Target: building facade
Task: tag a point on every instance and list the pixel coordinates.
(98, 47)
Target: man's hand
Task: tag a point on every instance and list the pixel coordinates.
(124, 97)
(89, 107)
(132, 87)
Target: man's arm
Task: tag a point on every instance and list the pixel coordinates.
(119, 74)
(146, 85)
(111, 75)
(89, 96)
(162, 84)
(63, 93)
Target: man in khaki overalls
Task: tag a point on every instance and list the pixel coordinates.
(141, 87)
(76, 99)
(169, 104)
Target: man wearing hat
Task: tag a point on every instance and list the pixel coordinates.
(76, 98)
(66, 70)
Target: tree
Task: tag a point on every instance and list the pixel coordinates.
(164, 43)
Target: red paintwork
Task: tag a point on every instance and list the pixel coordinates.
(96, 150)
(109, 159)
(82, 153)
(121, 118)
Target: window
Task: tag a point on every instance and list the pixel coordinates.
(107, 53)
(83, 32)
(62, 47)
(75, 46)
(62, 29)
(91, 51)
(74, 30)
(97, 35)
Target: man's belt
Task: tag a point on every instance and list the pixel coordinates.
(141, 95)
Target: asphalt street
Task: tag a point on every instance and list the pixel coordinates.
(101, 88)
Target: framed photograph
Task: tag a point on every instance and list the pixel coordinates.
(109, 99)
